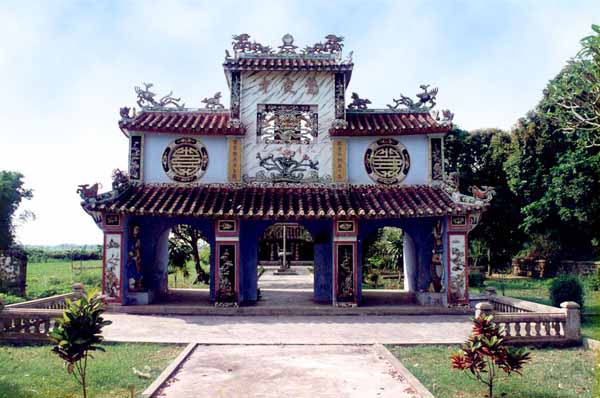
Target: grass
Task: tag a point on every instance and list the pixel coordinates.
(536, 290)
(565, 373)
(35, 372)
(55, 277)
(178, 280)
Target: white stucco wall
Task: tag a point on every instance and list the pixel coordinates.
(155, 145)
(252, 95)
(416, 145)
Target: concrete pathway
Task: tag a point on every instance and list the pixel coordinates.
(428, 329)
(291, 371)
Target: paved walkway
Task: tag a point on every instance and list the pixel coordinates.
(291, 371)
(428, 329)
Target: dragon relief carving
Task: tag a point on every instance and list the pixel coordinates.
(333, 44)
(485, 193)
(283, 168)
(145, 99)
(120, 184)
(425, 101)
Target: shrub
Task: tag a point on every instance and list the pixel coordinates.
(78, 333)
(485, 354)
(476, 279)
(595, 281)
(566, 288)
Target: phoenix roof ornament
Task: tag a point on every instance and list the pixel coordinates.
(425, 101)
(145, 99)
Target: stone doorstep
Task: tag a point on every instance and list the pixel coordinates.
(382, 352)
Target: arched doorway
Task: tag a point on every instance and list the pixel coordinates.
(189, 258)
(383, 260)
(285, 266)
(180, 254)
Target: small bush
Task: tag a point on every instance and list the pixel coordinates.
(595, 281)
(566, 288)
(476, 280)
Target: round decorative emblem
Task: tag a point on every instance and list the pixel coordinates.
(185, 160)
(387, 161)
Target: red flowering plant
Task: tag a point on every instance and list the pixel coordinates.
(485, 354)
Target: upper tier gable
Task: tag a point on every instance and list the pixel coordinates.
(320, 57)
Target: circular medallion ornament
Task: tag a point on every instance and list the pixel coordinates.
(185, 160)
(387, 161)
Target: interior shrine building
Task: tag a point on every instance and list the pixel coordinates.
(294, 159)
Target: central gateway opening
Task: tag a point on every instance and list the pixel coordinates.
(285, 268)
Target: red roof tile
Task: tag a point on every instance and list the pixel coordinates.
(378, 123)
(197, 122)
(247, 201)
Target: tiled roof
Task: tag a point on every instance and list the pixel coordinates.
(378, 123)
(287, 63)
(268, 202)
(196, 122)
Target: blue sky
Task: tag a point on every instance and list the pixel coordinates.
(66, 67)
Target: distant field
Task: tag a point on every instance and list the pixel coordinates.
(56, 277)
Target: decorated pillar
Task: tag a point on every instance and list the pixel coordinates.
(113, 254)
(345, 263)
(227, 263)
(457, 250)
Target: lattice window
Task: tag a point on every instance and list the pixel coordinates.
(287, 124)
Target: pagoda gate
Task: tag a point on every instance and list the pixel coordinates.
(293, 147)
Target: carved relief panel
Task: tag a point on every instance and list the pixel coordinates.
(111, 278)
(287, 116)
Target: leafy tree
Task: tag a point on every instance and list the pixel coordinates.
(577, 94)
(385, 249)
(478, 157)
(12, 192)
(485, 354)
(179, 254)
(78, 333)
(556, 175)
(187, 235)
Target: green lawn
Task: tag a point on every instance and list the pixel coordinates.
(536, 290)
(552, 373)
(178, 280)
(35, 372)
(56, 277)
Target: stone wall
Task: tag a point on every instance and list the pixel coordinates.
(582, 268)
(13, 271)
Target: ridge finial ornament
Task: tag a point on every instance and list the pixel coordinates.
(213, 102)
(145, 98)
(358, 103)
(288, 46)
(426, 100)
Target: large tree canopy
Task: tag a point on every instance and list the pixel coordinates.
(554, 165)
(12, 192)
(478, 157)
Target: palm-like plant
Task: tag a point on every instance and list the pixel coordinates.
(485, 354)
(78, 333)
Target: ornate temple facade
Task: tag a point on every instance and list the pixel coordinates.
(293, 147)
